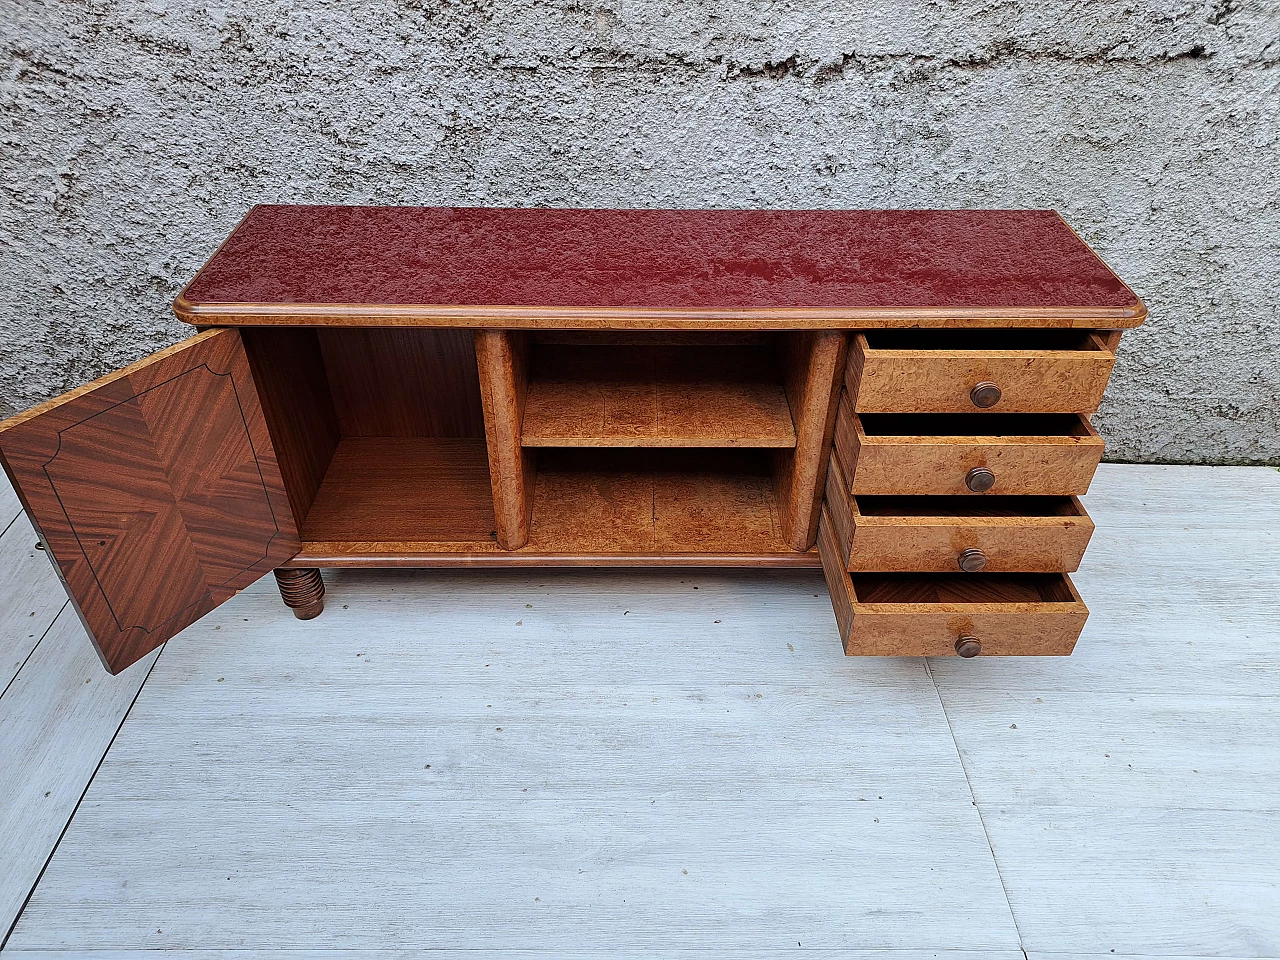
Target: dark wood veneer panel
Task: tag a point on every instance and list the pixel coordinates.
(959, 588)
(403, 382)
(156, 491)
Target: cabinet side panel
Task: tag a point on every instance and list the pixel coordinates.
(812, 364)
(838, 508)
(289, 372)
(839, 586)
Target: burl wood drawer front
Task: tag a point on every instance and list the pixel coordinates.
(966, 454)
(936, 615)
(955, 534)
(968, 371)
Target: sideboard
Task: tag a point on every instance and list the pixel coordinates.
(899, 397)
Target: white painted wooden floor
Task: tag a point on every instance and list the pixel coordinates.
(660, 764)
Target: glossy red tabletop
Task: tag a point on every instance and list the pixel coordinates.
(283, 260)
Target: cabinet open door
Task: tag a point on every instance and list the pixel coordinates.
(155, 490)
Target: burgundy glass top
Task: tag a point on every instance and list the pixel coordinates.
(691, 259)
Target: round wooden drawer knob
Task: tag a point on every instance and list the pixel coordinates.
(985, 394)
(968, 647)
(979, 479)
(972, 560)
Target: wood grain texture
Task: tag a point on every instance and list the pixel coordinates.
(656, 396)
(1043, 454)
(607, 507)
(165, 466)
(655, 338)
(391, 488)
(404, 383)
(1111, 339)
(935, 371)
(928, 534)
(302, 590)
(812, 363)
(384, 316)
(293, 388)
(503, 359)
(899, 615)
(57, 719)
(655, 503)
(432, 554)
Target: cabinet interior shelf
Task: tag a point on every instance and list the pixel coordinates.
(633, 395)
(416, 501)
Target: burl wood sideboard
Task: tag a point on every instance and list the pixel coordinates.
(899, 397)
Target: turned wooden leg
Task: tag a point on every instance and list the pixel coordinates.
(302, 591)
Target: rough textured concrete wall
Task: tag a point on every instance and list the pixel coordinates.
(136, 134)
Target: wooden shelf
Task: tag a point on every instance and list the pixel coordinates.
(655, 503)
(656, 396)
(398, 489)
(591, 508)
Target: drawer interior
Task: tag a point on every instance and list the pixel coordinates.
(945, 588)
(974, 425)
(944, 507)
(1021, 341)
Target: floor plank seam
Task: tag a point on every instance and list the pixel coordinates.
(83, 793)
(30, 653)
(973, 797)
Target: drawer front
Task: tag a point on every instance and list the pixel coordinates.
(1050, 464)
(934, 615)
(977, 380)
(943, 535)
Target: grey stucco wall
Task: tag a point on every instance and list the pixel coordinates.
(135, 134)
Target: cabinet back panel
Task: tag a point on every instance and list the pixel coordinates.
(403, 382)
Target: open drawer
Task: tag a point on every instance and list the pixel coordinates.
(965, 371)
(954, 534)
(933, 615)
(1051, 454)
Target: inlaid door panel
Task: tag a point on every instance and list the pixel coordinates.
(155, 490)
